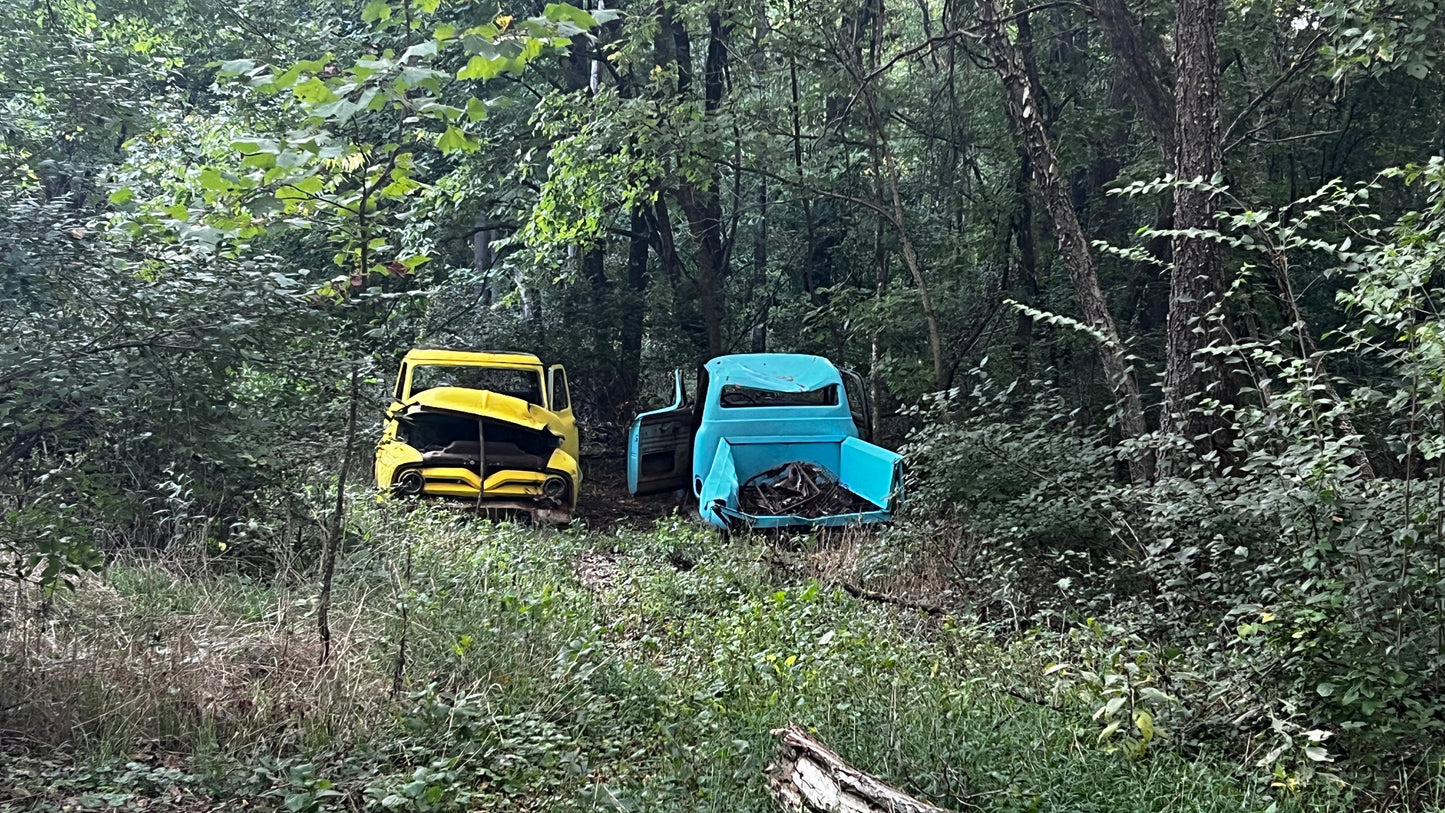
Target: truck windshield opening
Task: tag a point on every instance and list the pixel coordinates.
(523, 384)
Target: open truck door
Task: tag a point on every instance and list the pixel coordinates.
(559, 398)
(859, 405)
(659, 446)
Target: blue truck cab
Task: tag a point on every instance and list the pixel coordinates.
(753, 415)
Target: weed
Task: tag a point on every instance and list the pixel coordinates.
(528, 686)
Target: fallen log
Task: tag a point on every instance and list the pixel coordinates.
(858, 591)
(810, 777)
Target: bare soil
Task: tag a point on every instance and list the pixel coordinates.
(604, 503)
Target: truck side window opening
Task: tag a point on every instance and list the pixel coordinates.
(523, 384)
(700, 403)
(737, 395)
(561, 399)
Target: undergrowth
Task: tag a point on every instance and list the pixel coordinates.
(482, 666)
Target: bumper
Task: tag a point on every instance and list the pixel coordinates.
(551, 490)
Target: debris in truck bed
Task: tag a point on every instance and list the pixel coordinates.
(800, 490)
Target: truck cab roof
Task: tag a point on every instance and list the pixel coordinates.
(783, 372)
(478, 357)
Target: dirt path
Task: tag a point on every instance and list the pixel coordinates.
(604, 503)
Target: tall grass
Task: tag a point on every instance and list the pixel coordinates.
(545, 670)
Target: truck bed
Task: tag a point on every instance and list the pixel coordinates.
(870, 472)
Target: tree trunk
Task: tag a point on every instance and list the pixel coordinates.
(665, 243)
(699, 201)
(760, 268)
(1131, 53)
(1023, 229)
(635, 308)
(875, 350)
(1283, 292)
(810, 285)
(885, 167)
(704, 216)
(1197, 313)
(1019, 100)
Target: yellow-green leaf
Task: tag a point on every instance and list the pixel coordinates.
(1144, 721)
(454, 140)
(484, 68)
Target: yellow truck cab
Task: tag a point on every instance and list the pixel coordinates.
(494, 429)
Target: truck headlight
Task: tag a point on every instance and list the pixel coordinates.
(554, 488)
(409, 484)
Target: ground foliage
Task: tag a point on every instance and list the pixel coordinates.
(562, 671)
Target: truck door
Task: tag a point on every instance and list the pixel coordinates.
(559, 398)
(659, 446)
(858, 404)
(399, 393)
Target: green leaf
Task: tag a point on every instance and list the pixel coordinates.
(301, 189)
(212, 179)
(259, 160)
(483, 68)
(252, 145)
(281, 81)
(454, 140)
(400, 188)
(561, 12)
(314, 65)
(313, 91)
(476, 109)
(366, 68)
(122, 196)
(436, 110)
(479, 45)
(1144, 721)
(421, 49)
(376, 10)
(420, 77)
(339, 111)
(371, 99)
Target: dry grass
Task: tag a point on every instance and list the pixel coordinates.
(874, 559)
(121, 662)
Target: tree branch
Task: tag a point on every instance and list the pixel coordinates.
(1299, 64)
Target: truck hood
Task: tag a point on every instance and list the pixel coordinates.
(482, 403)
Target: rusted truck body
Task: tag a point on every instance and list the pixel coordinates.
(772, 440)
(492, 429)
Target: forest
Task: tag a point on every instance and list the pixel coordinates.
(1144, 293)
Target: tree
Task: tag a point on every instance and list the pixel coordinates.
(348, 169)
(1020, 95)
